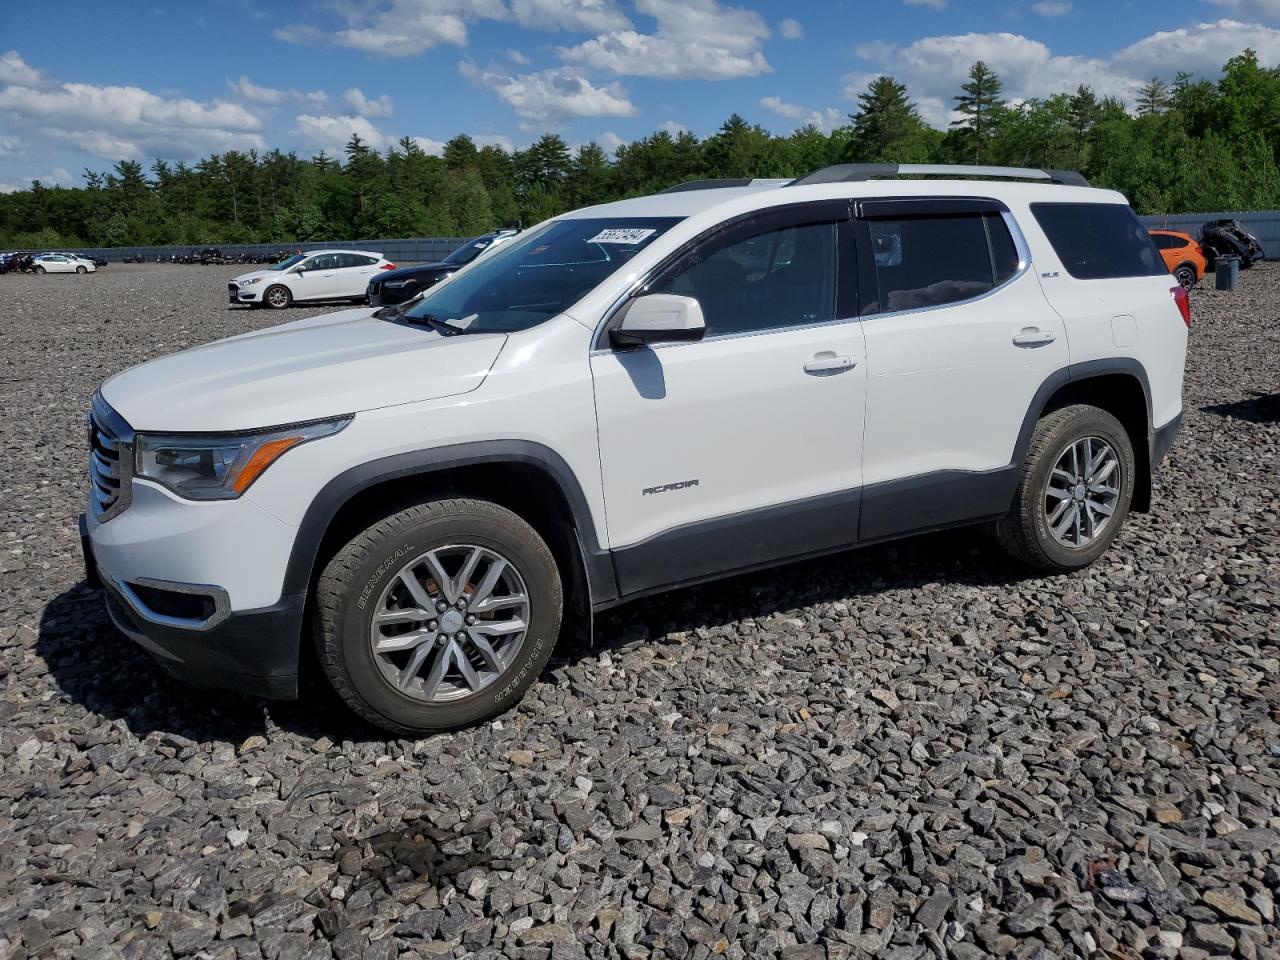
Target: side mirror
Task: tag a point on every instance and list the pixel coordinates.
(659, 318)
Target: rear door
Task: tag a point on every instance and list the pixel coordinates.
(745, 447)
(354, 271)
(959, 339)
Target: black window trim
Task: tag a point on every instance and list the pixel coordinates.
(839, 212)
(892, 208)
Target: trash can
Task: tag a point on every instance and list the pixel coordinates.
(1226, 273)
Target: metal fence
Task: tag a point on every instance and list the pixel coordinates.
(1263, 224)
(408, 250)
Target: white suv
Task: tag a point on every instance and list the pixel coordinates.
(626, 399)
(318, 275)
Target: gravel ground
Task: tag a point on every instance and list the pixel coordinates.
(909, 751)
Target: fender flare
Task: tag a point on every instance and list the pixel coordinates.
(334, 495)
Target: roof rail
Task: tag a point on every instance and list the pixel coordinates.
(856, 172)
(721, 183)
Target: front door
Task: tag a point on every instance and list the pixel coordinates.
(743, 448)
(316, 278)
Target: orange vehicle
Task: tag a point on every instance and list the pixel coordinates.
(1182, 254)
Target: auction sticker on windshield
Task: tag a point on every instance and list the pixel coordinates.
(622, 235)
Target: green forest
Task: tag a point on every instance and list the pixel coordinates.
(1189, 145)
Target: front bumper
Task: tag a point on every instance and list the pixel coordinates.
(239, 294)
(254, 652)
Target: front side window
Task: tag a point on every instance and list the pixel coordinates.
(538, 275)
(327, 261)
(929, 261)
(293, 261)
(775, 279)
(1099, 241)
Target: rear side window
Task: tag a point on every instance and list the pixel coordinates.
(1099, 241)
(930, 261)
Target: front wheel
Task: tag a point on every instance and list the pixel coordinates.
(439, 616)
(277, 297)
(1186, 275)
(1074, 490)
(81, 270)
(39, 271)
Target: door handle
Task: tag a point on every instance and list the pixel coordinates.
(1034, 337)
(828, 363)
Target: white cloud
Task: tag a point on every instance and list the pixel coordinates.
(932, 4)
(1052, 8)
(1267, 9)
(825, 120)
(549, 96)
(791, 29)
(673, 128)
(251, 92)
(587, 16)
(695, 39)
(610, 142)
(357, 101)
(332, 133)
(934, 69)
(494, 140)
(516, 57)
(15, 70)
(1201, 49)
(429, 146)
(117, 123)
(400, 28)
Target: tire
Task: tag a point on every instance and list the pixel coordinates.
(39, 271)
(81, 270)
(277, 297)
(393, 689)
(1186, 275)
(1025, 532)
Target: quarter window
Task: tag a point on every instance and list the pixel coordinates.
(1099, 241)
(932, 260)
(771, 280)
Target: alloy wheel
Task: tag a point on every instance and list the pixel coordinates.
(1082, 492)
(450, 622)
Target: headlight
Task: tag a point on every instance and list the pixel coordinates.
(250, 283)
(220, 466)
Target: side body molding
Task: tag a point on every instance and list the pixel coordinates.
(341, 489)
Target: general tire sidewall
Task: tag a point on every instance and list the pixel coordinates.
(1095, 425)
(370, 577)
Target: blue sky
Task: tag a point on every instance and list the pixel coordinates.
(182, 80)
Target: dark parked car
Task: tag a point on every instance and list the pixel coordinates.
(1227, 238)
(212, 255)
(397, 286)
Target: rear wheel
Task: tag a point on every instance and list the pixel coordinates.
(278, 297)
(439, 616)
(39, 269)
(1074, 490)
(1186, 275)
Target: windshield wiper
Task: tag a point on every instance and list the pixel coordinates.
(435, 323)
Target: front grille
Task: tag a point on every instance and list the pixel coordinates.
(110, 461)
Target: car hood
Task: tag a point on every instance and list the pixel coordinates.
(417, 270)
(310, 369)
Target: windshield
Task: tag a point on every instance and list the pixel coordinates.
(538, 275)
(286, 264)
(469, 250)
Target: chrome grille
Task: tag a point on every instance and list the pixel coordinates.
(110, 461)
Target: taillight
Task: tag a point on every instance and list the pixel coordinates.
(387, 266)
(1183, 301)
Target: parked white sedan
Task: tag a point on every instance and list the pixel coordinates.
(62, 263)
(317, 275)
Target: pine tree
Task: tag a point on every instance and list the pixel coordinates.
(884, 121)
(1153, 98)
(978, 104)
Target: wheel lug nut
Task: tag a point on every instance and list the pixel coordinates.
(432, 625)
(471, 618)
(443, 638)
(462, 603)
(460, 635)
(441, 606)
